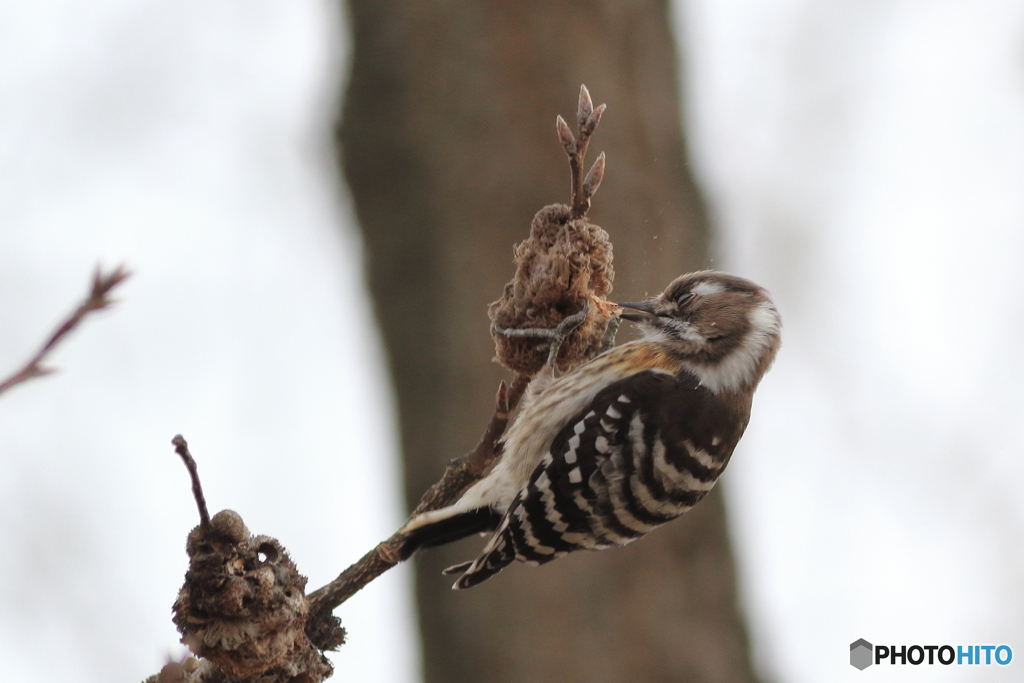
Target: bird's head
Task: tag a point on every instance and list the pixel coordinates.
(724, 327)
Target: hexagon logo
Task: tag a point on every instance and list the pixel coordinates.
(860, 654)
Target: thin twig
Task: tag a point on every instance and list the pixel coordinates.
(102, 285)
(181, 448)
(458, 475)
(587, 118)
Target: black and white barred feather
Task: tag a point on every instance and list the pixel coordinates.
(617, 471)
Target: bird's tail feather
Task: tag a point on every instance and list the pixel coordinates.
(449, 529)
(496, 555)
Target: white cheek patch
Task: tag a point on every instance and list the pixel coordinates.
(681, 329)
(737, 368)
(686, 331)
(706, 288)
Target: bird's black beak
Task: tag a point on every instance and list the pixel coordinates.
(645, 306)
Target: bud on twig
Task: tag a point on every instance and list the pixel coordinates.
(588, 128)
(594, 177)
(585, 108)
(565, 136)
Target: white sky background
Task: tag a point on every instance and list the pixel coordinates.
(864, 160)
(190, 141)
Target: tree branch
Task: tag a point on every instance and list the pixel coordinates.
(587, 118)
(218, 553)
(181, 448)
(102, 285)
(459, 474)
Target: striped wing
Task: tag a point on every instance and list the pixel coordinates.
(645, 450)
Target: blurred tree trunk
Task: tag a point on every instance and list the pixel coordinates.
(448, 144)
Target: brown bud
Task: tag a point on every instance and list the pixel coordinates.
(594, 177)
(585, 108)
(591, 124)
(565, 136)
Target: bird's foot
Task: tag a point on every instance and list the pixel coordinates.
(553, 337)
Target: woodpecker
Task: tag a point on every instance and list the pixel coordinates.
(630, 440)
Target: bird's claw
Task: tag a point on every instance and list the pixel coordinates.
(554, 337)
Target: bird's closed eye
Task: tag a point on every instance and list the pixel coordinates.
(683, 300)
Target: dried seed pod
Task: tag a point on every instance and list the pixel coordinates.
(564, 262)
(243, 607)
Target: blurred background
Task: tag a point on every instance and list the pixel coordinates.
(863, 161)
